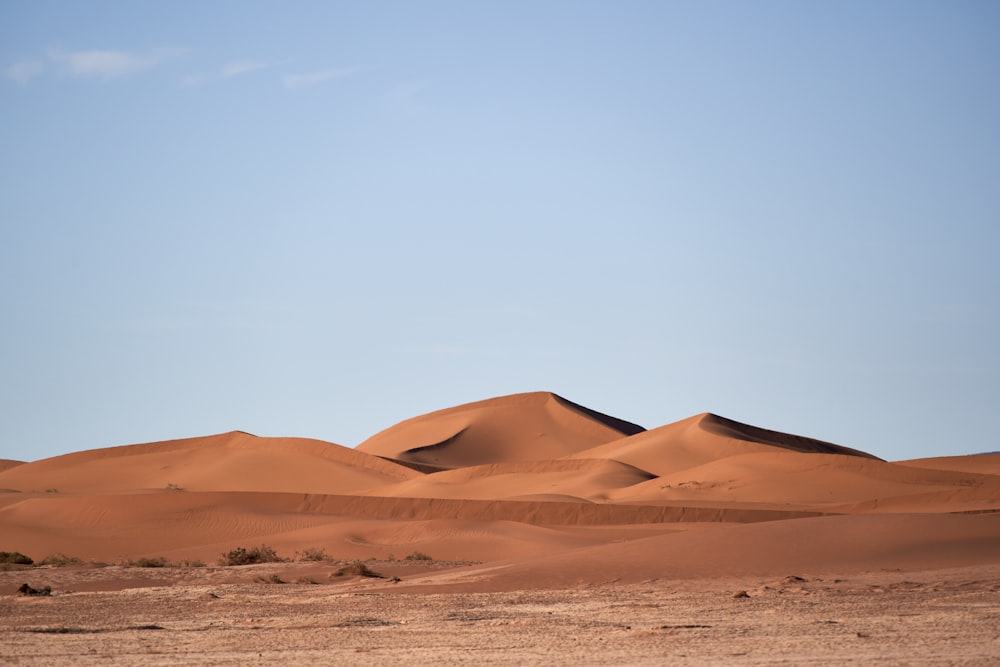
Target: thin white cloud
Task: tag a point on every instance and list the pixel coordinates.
(227, 71)
(238, 67)
(23, 71)
(295, 81)
(112, 64)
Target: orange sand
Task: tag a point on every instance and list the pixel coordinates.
(539, 491)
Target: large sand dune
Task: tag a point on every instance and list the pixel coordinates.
(545, 489)
(522, 427)
(821, 545)
(233, 461)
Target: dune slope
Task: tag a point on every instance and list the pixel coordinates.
(566, 479)
(841, 544)
(702, 439)
(521, 427)
(234, 461)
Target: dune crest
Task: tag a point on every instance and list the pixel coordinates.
(982, 464)
(702, 439)
(729, 428)
(234, 461)
(6, 464)
(520, 427)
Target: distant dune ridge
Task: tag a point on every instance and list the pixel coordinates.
(539, 489)
(9, 463)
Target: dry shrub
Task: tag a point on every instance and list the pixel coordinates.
(242, 556)
(25, 589)
(356, 568)
(417, 555)
(14, 558)
(158, 561)
(60, 560)
(312, 554)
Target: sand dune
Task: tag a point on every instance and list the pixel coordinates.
(233, 461)
(817, 481)
(727, 428)
(521, 427)
(841, 544)
(982, 464)
(701, 439)
(572, 479)
(200, 524)
(6, 464)
(539, 490)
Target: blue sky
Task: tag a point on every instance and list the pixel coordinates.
(320, 218)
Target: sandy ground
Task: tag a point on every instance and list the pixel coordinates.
(192, 616)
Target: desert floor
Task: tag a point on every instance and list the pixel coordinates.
(198, 616)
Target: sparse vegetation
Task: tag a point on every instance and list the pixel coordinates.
(14, 558)
(356, 568)
(311, 554)
(173, 487)
(159, 561)
(53, 490)
(191, 563)
(25, 589)
(417, 555)
(243, 556)
(63, 630)
(60, 560)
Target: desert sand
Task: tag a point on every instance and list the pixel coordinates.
(524, 529)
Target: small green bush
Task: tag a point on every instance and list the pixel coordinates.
(14, 558)
(242, 556)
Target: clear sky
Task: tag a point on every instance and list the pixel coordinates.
(320, 218)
